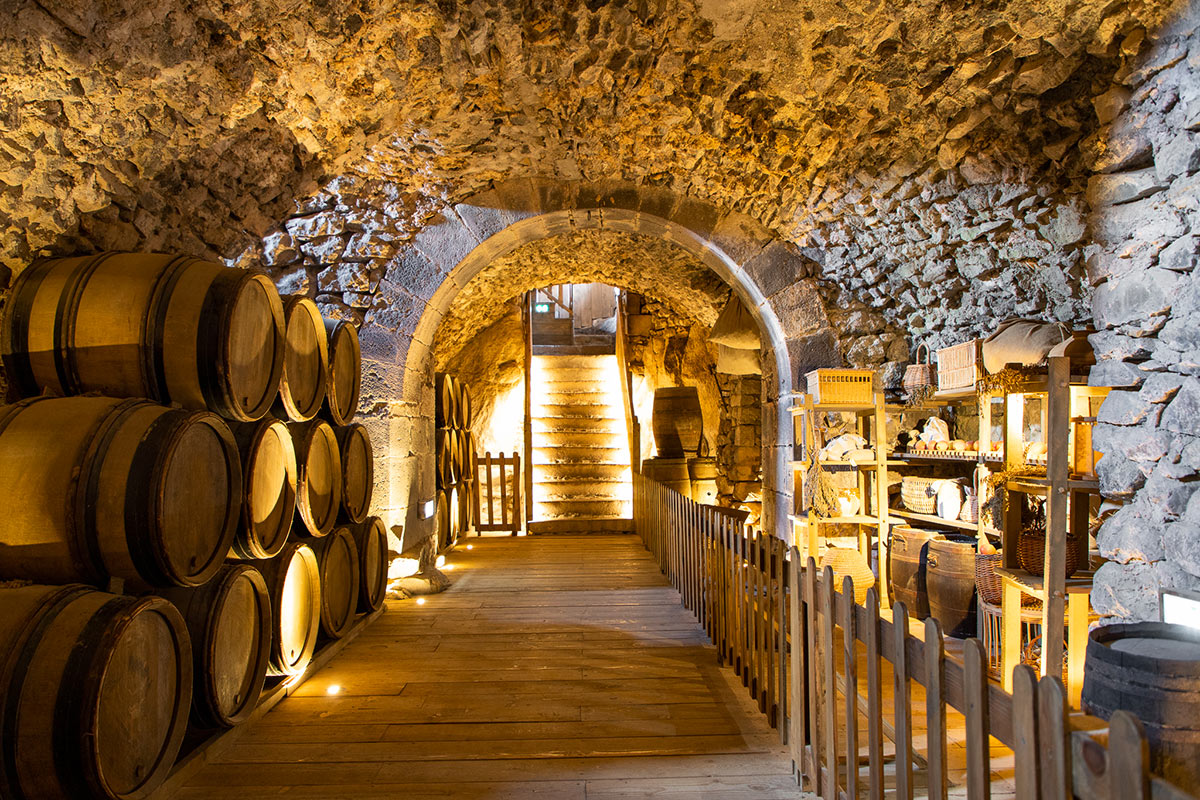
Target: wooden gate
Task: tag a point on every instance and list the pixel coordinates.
(498, 499)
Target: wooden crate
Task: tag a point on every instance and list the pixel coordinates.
(842, 386)
(959, 366)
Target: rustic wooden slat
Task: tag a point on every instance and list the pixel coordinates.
(874, 697)
(1128, 758)
(828, 685)
(1058, 404)
(979, 766)
(850, 665)
(935, 710)
(783, 674)
(816, 694)
(798, 707)
(1025, 740)
(1054, 739)
(902, 698)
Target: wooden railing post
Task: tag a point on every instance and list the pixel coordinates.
(850, 666)
(1054, 738)
(935, 709)
(979, 769)
(902, 699)
(874, 698)
(798, 707)
(829, 782)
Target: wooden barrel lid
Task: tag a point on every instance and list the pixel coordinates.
(358, 470)
(198, 483)
(319, 489)
(345, 371)
(269, 474)
(339, 582)
(295, 585)
(254, 346)
(370, 537)
(303, 383)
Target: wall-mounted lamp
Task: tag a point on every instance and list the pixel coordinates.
(1179, 606)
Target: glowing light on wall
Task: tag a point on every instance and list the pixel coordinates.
(333, 689)
(403, 568)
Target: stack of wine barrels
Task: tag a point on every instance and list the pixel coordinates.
(165, 543)
(681, 462)
(457, 461)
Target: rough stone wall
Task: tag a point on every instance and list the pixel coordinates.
(739, 444)
(1145, 199)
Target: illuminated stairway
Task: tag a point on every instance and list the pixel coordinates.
(581, 476)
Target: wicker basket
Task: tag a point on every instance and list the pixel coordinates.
(921, 374)
(970, 509)
(918, 494)
(959, 366)
(1031, 553)
(842, 386)
(845, 561)
(991, 588)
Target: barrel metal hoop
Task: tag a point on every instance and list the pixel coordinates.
(153, 343)
(65, 317)
(86, 492)
(74, 720)
(9, 777)
(142, 498)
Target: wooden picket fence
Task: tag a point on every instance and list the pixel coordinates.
(498, 499)
(817, 663)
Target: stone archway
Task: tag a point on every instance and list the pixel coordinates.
(769, 276)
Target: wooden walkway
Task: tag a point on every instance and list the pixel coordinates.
(555, 667)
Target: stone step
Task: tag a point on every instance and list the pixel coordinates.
(544, 346)
(576, 438)
(565, 509)
(590, 398)
(580, 471)
(577, 411)
(580, 455)
(609, 425)
(574, 525)
(569, 372)
(569, 385)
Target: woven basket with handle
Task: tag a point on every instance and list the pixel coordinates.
(1031, 552)
(920, 374)
(918, 494)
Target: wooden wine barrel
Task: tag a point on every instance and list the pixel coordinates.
(446, 401)
(319, 476)
(94, 693)
(907, 568)
(337, 559)
(171, 328)
(465, 414)
(950, 582)
(676, 421)
(1153, 670)
(471, 459)
(345, 371)
(370, 538)
(305, 377)
(269, 476)
(448, 464)
(464, 509)
(442, 519)
(358, 470)
(455, 498)
(96, 487)
(464, 456)
(229, 622)
(294, 583)
(670, 472)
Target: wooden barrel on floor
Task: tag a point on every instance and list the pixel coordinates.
(358, 470)
(319, 475)
(94, 692)
(370, 539)
(337, 560)
(470, 459)
(345, 371)
(269, 476)
(442, 519)
(447, 455)
(229, 622)
(305, 377)
(171, 328)
(677, 422)
(294, 584)
(446, 401)
(703, 475)
(908, 568)
(670, 472)
(96, 487)
(950, 582)
(1153, 670)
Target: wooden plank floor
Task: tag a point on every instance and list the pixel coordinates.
(554, 667)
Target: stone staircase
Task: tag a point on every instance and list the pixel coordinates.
(581, 476)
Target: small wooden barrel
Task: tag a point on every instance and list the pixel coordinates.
(370, 538)
(446, 397)
(464, 456)
(950, 581)
(358, 470)
(677, 422)
(345, 371)
(907, 568)
(448, 463)
(294, 583)
(269, 476)
(174, 329)
(471, 460)
(465, 414)
(305, 377)
(94, 693)
(337, 559)
(319, 480)
(96, 487)
(1153, 670)
(229, 621)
